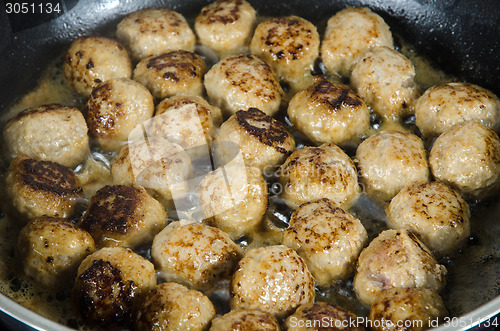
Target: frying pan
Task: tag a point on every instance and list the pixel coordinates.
(461, 36)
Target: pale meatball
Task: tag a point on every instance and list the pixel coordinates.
(122, 215)
(290, 45)
(114, 108)
(327, 238)
(313, 173)
(245, 320)
(389, 161)
(445, 105)
(172, 306)
(406, 309)
(156, 164)
(154, 31)
(175, 72)
(329, 113)
(226, 26)
(384, 78)
(274, 279)
(349, 34)
(467, 157)
(51, 249)
(322, 316)
(435, 213)
(195, 254)
(189, 121)
(234, 199)
(53, 132)
(93, 60)
(264, 142)
(396, 259)
(243, 82)
(110, 283)
(42, 188)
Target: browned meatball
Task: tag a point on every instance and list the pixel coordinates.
(42, 188)
(122, 215)
(245, 320)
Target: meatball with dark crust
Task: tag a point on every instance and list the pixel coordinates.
(123, 215)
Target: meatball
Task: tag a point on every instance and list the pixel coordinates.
(384, 78)
(349, 34)
(313, 173)
(226, 26)
(396, 259)
(327, 238)
(175, 72)
(114, 108)
(154, 31)
(274, 279)
(42, 188)
(329, 113)
(242, 82)
(189, 121)
(445, 105)
(172, 306)
(290, 45)
(322, 316)
(52, 132)
(110, 283)
(234, 199)
(122, 215)
(51, 249)
(389, 161)
(264, 142)
(406, 309)
(245, 320)
(156, 164)
(435, 213)
(467, 157)
(93, 60)
(195, 254)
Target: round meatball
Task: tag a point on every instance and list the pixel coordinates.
(93, 60)
(110, 284)
(445, 105)
(389, 161)
(154, 31)
(226, 26)
(114, 108)
(349, 34)
(195, 254)
(264, 142)
(406, 309)
(172, 306)
(242, 82)
(467, 157)
(322, 316)
(435, 213)
(234, 199)
(245, 320)
(329, 113)
(52, 132)
(384, 78)
(396, 259)
(42, 188)
(175, 72)
(313, 173)
(290, 45)
(156, 164)
(122, 215)
(327, 238)
(189, 121)
(274, 279)
(51, 249)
